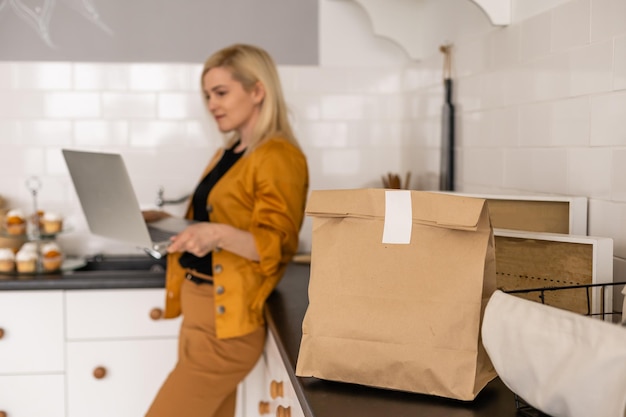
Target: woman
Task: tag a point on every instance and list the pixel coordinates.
(249, 206)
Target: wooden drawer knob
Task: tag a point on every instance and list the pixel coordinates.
(1, 336)
(264, 407)
(283, 411)
(276, 389)
(3, 414)
(100, 372)
(156, 313)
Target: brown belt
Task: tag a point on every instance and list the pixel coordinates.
(198, 280)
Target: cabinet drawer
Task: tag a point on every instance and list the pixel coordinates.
(106, 314)
(130, 374)
(32, 395)
(32, 332)
(275, 366)
(279, 387)
(253, 392)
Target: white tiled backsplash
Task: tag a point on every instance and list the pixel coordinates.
(352, 130)
(541, 106)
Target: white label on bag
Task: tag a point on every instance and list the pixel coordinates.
(398, 217)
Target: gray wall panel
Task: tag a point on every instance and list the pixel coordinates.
(156, 30)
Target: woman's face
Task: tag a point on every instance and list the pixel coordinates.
(231, 105)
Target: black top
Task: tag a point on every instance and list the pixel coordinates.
(202, 213)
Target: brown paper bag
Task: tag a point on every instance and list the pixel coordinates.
(399, 282)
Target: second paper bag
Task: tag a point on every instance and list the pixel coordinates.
(399, 282)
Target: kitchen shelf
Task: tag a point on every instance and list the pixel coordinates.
(498, 11)
(401, 20)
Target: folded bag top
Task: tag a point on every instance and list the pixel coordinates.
(427, 208)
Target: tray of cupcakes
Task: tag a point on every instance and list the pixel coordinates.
(32, 258)
(28, 245)
(37, 258)
(43, 224)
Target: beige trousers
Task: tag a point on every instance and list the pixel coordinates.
(204, 381)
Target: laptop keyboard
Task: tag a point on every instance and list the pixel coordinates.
(159, 235)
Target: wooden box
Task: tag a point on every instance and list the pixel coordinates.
(530, 260)
(550, 214)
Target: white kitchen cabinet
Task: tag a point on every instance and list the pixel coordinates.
(281, 389)
(116, 377)
(117, 314)
(31, 324)
(32, 395)
(252, 391)
(106, 353)
(268, 389)
(31, 354)
(119, 351)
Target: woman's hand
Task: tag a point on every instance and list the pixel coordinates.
(201, 238)
(197, 239)
(153, 215)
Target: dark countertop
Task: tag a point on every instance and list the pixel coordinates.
(285, 310)
(85, 281)
(94, 273)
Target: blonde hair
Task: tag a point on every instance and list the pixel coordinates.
(250, 64)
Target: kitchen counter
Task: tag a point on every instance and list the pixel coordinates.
(98, 272)
(285, 310)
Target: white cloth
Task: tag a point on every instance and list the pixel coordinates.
(561, 363)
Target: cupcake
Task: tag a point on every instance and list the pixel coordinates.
(29, 247)
(7, 260)
(51, 223)
(15, 222)
(26, 261)
(51, 257)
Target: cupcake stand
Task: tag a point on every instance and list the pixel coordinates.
(32, 245)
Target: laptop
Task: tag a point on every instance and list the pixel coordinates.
(110, 205)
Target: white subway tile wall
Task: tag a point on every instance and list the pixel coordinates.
(619, 64)
(571, 25)
(129, 106)
(533, 41)
(540, 109)
(607, 19)
(352, 129)
(589, 172)
(106, 77)
(607, 119)
(591, 69)
(618, 175)
(71, 105)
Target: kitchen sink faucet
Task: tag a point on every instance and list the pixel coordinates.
(161, 201)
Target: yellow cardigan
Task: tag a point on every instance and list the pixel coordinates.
(264, 193)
